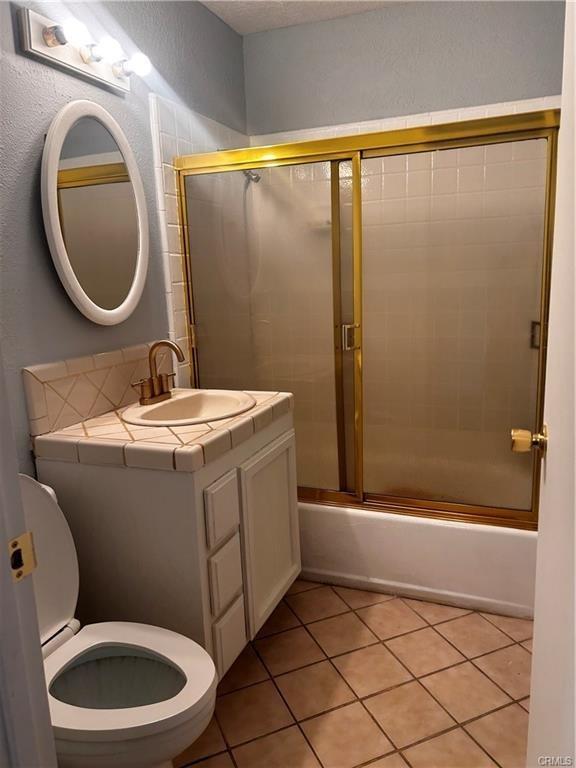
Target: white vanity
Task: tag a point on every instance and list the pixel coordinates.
(193, 528)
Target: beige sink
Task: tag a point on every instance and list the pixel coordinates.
(190, 406)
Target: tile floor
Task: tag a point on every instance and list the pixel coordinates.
(341, 678)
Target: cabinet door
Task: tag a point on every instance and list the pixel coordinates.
(269, 527)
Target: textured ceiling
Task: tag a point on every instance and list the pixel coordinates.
(247, 16)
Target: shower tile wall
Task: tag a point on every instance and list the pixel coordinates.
(262, 283)
(217, 220)
(452, 264)
(292, 305)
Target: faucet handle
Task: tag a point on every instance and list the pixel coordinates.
(167, 381)
(144, 387)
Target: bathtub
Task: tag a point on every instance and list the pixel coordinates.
(477, 566)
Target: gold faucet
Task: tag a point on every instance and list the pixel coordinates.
(158, 386)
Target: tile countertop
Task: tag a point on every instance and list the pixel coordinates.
(106, 439)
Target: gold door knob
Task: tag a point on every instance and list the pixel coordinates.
(523, 440)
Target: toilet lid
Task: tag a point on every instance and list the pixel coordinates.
(56, 578)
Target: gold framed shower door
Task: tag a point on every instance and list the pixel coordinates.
(493, 130)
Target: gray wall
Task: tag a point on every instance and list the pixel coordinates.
(198, 60)
(403, 59)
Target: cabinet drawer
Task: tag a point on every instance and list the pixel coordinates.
(221, 508)
(225, 572)
(229, 634)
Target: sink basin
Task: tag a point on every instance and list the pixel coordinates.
(190, 406)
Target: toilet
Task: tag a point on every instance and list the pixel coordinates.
(121, 694)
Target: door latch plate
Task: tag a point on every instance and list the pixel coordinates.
(22, 556)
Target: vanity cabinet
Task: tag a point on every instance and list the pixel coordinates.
(207, 553)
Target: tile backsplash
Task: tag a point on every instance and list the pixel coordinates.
(68, 391)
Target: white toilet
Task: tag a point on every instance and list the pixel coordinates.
(122, 695)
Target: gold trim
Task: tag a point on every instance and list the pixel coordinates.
(337, 319)
(90, 175)
(469, 513)
(507, 128)
(357, 293)
(344, 147)
(187, 276)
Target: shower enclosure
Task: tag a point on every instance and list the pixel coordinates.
(397, 284)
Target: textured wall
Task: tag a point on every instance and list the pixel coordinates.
(405, 58)
(38, 323)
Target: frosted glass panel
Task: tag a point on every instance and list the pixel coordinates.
(453, 248)
(261, 254)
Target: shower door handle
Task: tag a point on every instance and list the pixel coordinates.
(523, 440)
(349, 337)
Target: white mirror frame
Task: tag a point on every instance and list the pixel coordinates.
(62, 123)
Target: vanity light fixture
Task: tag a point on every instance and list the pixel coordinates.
(70, 46)
(138, 64)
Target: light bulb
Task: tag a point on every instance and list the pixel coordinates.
(138, 63)
(75, 32)
(110, 50)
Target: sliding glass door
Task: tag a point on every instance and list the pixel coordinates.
(397, 284)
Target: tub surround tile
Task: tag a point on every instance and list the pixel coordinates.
(84, 398)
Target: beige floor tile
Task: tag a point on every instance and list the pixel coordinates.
(251, 712)
(424, 651)
(452, 750)
(301, 585)
(510, 669)
(282, 618)
(525, 703)
(209, 743)
(346, 737)
(284, 749)
(220, 761)
(504, 735)
(518, 629)
(392, 761)
(527, 644)
(370, 670)
(316, 604)
(408, 714)
(313, 690)
(341, 634)
(435, 612)
(288, 650)
(246, 670)
(391, 618)
(473, 635)
(464, 691)
(360, 598)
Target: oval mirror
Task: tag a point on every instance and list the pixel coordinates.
(95, 212)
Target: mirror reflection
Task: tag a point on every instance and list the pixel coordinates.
(98, 215)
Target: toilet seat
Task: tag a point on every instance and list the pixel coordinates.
(75, 723)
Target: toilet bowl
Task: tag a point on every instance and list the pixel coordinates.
(121, 694)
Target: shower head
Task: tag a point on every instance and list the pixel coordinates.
(252, 176)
